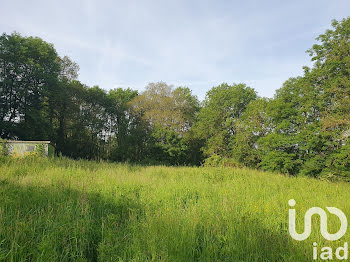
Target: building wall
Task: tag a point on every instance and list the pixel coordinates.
(23, 149)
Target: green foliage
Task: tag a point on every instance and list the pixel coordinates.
(219, 161)
(217, 119)
(168, 115)
(162, 105)
(302, 130)
(4, 150)
(338, 163)
(29, 68)
(252, 125)
(40, 150)
(313, 167)
(169, 147)
(332, 57)
(283, 162)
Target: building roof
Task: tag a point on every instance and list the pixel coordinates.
(27, 142)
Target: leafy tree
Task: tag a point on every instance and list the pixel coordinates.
(126, 132)
(303, 130)
(169, 114)
(252, 125)
(29, 68)
(218, 118)
(310, 114)
(161, 104)
(332, 71)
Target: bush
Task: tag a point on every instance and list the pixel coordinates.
(313, 167)
(40, 150)
(4, 150)
(220, 161)
(286, 163)
(338, 163)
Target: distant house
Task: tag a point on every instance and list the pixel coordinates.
(22, 148)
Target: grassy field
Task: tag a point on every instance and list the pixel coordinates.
(65, 210)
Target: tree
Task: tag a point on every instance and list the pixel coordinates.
(217, 120)
(161, 104)
(309, 115)
(126, 133)
(69, 70)
(62, 100)
(169, 114)
(332, 70)
(252, 125)
(29, 68)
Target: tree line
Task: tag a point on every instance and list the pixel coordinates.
(304, 129)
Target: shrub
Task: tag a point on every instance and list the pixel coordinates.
(313, 167)
(40, 150)
(338, 163)
(4, 150)
(283, 162)
(220, 161)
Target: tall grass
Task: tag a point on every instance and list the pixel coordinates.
(64, 210)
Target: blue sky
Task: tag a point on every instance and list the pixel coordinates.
(191, 43)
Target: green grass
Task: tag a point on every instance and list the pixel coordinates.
(65, 210)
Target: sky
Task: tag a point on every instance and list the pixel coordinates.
(193, 43)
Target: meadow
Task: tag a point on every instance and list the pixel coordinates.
(65, 210)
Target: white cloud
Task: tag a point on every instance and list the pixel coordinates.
(194, 43)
